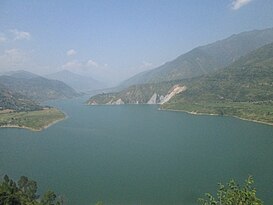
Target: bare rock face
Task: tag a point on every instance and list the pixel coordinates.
(145, 94)
(153, 99)
(93, 103)
(115, 102)
(119, 102)
(176, 89)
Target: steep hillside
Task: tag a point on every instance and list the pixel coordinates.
(205, 59)
(36, 87)
(248, 79)
(78, 82)
(137, 94)
(244, 89)
(14, 101)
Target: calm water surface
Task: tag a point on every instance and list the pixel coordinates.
(135, 154)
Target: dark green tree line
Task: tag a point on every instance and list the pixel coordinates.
(233, 194)
(24, 192)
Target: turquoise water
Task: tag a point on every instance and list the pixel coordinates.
(135, 154)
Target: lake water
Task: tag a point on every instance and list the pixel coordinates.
(135, 154)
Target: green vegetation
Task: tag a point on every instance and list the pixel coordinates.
(259, 111)
(24, 192)
(233, 194)
(14, 101)
(244, 89)
(34, 120)
(17, 110)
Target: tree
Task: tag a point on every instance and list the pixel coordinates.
(233, 194)
(24, 193)
(99, 203)
(48, 198)
(28, 186)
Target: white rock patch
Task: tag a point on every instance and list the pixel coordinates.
(172, 92)
(153, 99)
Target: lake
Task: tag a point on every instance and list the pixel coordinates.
(136, 154)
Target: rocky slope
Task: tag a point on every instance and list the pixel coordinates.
(140, 94)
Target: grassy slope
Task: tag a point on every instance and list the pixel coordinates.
(33, 120)
(244, 89)
(260, 112)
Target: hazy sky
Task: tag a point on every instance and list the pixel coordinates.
(116, 39)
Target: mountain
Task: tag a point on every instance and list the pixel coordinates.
(78, 82)
(14, 101)
(21, 74)
(205, 59)
(36, 87)
(136, 94)
(249, 79)
(243, 89)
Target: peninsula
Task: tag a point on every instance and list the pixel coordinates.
(33, 120)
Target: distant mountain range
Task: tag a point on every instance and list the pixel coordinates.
(205, 59)
(76, 81)
(36, 87)
(20, 74)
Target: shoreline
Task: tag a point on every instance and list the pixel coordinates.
(33, 129)
(20, 127)
(53, 123)
(210, 114)
(194, 113)
(39, 129)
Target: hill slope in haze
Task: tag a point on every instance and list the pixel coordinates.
(36, 87)
(135, 94)
(244, 89)
(249, 79)
(14, 101)
(205, 59)
(20, 74)
(20, 111)
(78, 82)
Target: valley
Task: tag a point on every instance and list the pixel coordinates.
(133, 152)
(136, 102)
